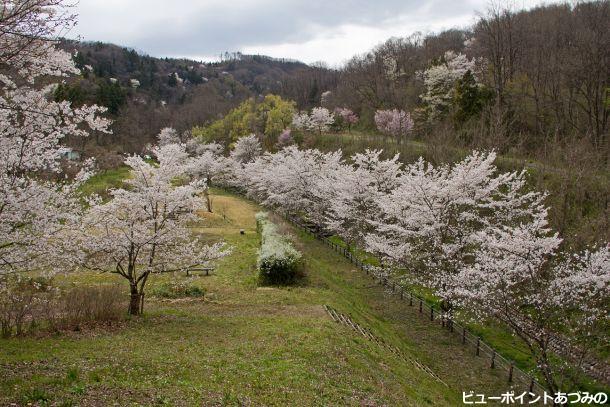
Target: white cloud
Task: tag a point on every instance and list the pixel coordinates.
(312, 30)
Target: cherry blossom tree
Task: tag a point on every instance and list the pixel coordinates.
(321, 119)
(301, 121)
(35, 210)
(353, 193)
(325, 97)
(195, 147)
(440, 81)
(210, 167)
(292, 180)
(285, 138)
(168, 135)
(431, 222)
(390, 67)
(395, 123)
(553, 305)
(145, 229)
(246, 149)
(347, 116)
(480, 240)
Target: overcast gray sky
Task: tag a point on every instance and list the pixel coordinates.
(308, 30)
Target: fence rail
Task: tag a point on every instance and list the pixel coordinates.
(514, 375)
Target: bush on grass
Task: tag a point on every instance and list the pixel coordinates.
(278, 260)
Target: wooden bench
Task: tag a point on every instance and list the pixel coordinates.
(206, 269)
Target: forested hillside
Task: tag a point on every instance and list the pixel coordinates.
(144, 94)
(539, 83)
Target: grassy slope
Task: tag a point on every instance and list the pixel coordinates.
(245, 344)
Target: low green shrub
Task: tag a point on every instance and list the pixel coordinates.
(278, 260)
(178, 289)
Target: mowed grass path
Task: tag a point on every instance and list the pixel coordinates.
(247, 345)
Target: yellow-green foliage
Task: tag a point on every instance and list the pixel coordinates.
(269, 117)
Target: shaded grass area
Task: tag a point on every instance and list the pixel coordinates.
(240, 344)
(370, 305)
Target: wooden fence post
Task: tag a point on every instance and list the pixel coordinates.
(463, 335)
(411, 299)
(432, 313)
(510, 372)
(478, 345)
(531, 392)
(420, 306)
(493, 360)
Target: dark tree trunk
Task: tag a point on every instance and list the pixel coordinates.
(134, 302)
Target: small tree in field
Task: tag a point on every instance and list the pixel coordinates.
(321, 119)
(348, 117)
(395, 123)
(285, 139)
(440, 80)
(144, 229)
(209, 166)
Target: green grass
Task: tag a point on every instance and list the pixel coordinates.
(104, 180)
(245, 344)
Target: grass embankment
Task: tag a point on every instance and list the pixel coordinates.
(104, 180)
(247, 345)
